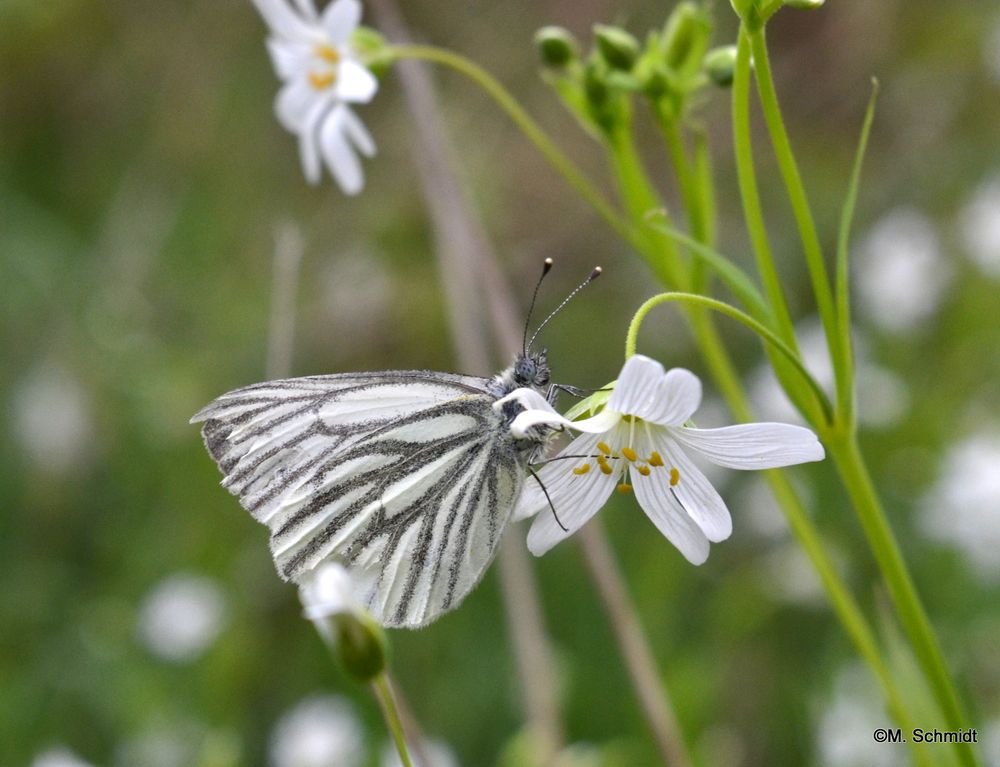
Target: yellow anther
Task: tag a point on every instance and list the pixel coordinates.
(655, 459)
(675, 477)
(624, 488)
(328, 52)
(602, 462)
(321, 80)
(629, 453)
(581, 470)
(644, 470)
(604, 448)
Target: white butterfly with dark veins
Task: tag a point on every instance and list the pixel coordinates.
(407, 477)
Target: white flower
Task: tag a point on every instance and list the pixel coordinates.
(979, 223)
(326, 593)
(313, 56)
(181, 617)
(320, 731)
(641, 429)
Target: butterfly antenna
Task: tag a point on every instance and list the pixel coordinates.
(546, 267)
(593, 276)
(551, 505)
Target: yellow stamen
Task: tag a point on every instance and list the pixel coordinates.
(602, 462)
(321, 80)
(675, 477)
(328, 52)
(624, 488)
(604, 448)
(629, 453)
(644, 470)
(655, 459)
(581, 470)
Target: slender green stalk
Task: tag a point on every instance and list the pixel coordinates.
(796, 192)
(730, 311)
(750, 195)
(387, 702)
(682, 169)
(854, 474)
(845, 375)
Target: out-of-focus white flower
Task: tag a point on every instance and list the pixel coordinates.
(979, 224)
(962, 506)
(163, 745)
(844, 730)
(641, 434)
(319, 731)
(883, 398)
(901, 275)
(52, 419)
(793, 578)
(181, 617)
(321, 75)
(439, 754)
(58, 756)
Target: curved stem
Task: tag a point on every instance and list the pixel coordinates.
(569, 171)
(730, 311)
(387, 702)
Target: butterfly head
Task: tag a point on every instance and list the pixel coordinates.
(531, 370)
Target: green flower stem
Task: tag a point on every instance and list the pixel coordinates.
(797, 196)
(749, 194)
(387, 702)
(534, 133)
(671, 131)
(854, 473)
(730, 311)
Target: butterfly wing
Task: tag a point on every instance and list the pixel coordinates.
(408, 477)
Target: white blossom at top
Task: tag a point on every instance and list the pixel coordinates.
(962, 506)
(321, 76)
(641, 432)
(181, 617)
(319, 731)
(327, 591)
(901, 274)
(979, 226)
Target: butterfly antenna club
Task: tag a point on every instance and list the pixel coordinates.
(546, 268)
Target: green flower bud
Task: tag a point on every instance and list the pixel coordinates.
(360, 645)
(371, 49)
(720, 63)
(685, 36)
(556, 46)
(617, 47)
(806, 4)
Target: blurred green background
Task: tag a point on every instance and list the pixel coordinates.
(142, 180)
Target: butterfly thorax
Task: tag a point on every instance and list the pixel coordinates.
(529, 371)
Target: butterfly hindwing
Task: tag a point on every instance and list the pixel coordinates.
(408, 477)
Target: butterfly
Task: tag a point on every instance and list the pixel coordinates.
(407, 477)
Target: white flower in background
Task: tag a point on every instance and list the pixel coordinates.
(58, 756)
(844, 731)
(962, 506)
(319, 731)
(321, 76)
(52, 419)
(979, 224)
(439, 754)
(901, 275)
(641, 433)
(181, 617)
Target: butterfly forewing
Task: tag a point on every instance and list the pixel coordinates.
(409, 477)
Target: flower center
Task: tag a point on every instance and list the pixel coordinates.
(326, 76)
(627, 456)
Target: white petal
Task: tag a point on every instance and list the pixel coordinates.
(604, 421)
(671, 519)
(283, 21)
(355, 83)
(293, 103)
(340, 19)
(339, 154)
(638, 386)
(308, 9)
(290, 59)
(753, 445)
(358, 133)
(678, 398)
(695, 493)
(576, 497)
(309, 140)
